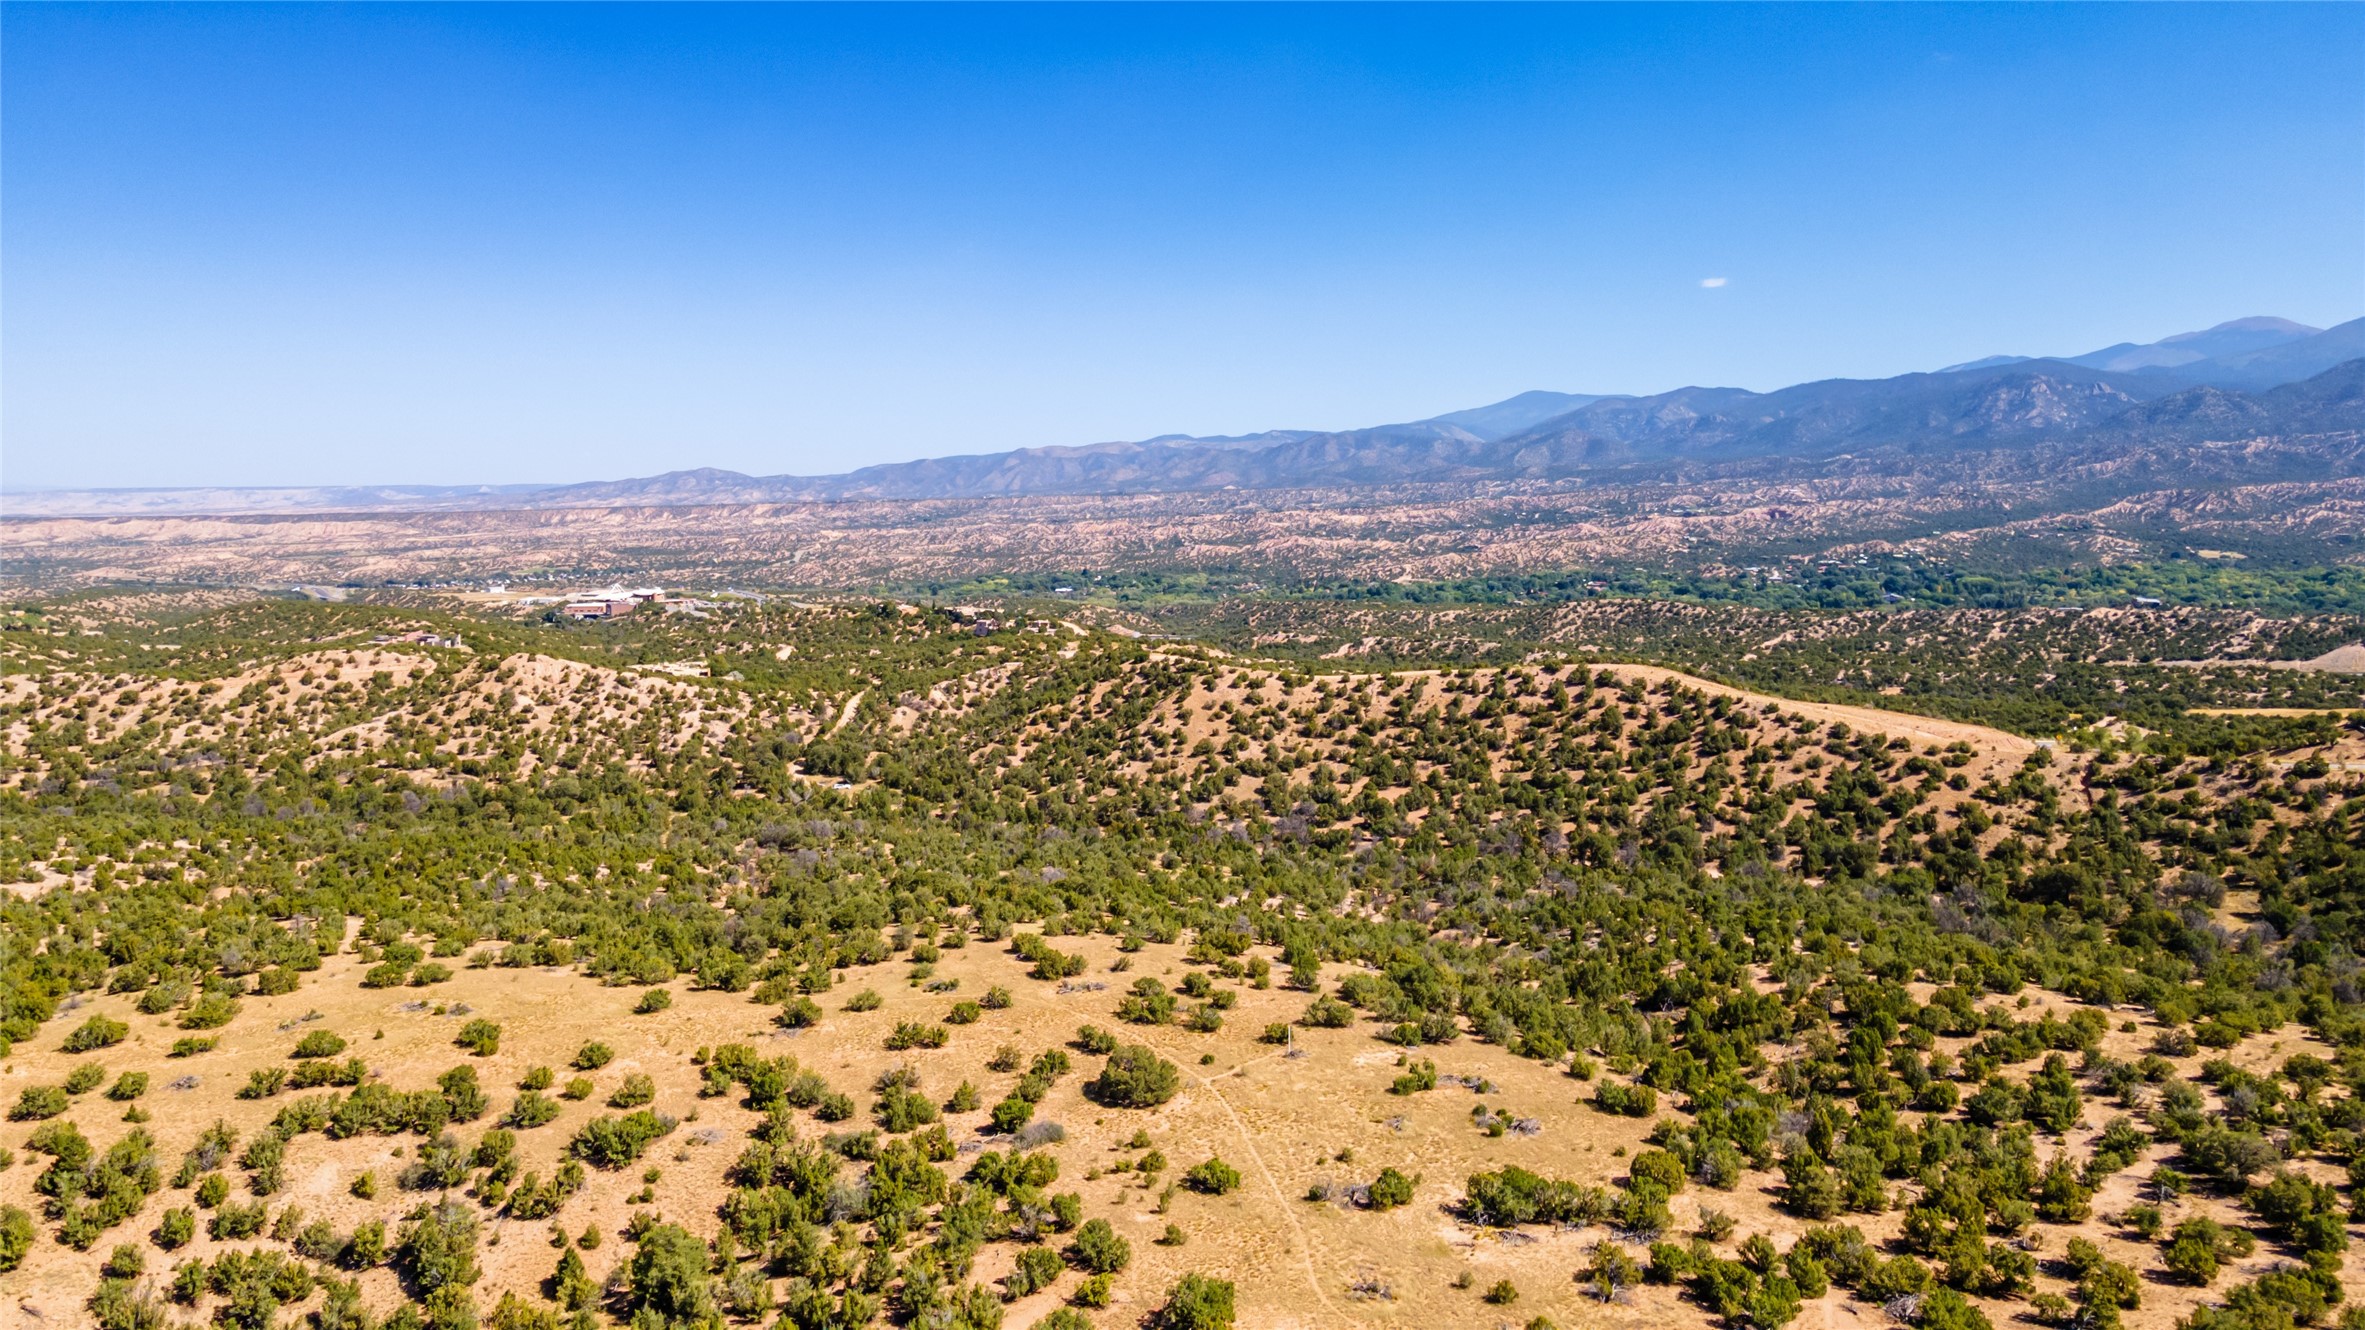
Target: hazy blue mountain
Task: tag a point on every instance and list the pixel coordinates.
(2238, 337)
(1513, 414)
(2331, 401)
(1912, 421)
(2289, 362)
(1986, 362)
(2015, 401)
(165, 502)
(2258, 378)
(2211, 355)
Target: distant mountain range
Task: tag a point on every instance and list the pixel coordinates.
(2251, 378)
(2245, 353)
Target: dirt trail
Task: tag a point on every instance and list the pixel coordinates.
(1305, 1245)
(1991, 743)
(1999, 753)
(853, 704)
(2268, 711)
(1898, 724)
(2348, 659)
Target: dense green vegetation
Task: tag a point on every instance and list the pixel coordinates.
(2051, 672)
(1871, 583)
(1751, 927)
(1793, 584)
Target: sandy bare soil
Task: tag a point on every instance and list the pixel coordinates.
(1286, 1122)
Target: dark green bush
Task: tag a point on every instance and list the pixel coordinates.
(1135, 1077)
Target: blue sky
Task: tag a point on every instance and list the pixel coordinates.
(316, 244)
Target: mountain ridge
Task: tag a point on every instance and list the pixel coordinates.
(2004, 402)
(1907, 418)
(2245, 352)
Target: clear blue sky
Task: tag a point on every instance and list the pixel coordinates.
(378, 243)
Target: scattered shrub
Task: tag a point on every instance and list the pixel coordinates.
(97, 1032)
(37, 1102)
(1135, 1077)
(1196, 1302)
(1214, 1177)
(1099, 1250)
(16, 1237)
(1390, 1190)
(616, 1142)
(912, 1034)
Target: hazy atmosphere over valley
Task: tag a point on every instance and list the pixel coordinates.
(1182, 666)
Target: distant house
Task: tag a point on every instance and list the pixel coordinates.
(2147, 602)
(610, 602)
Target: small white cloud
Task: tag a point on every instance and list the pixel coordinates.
(1711, 283)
